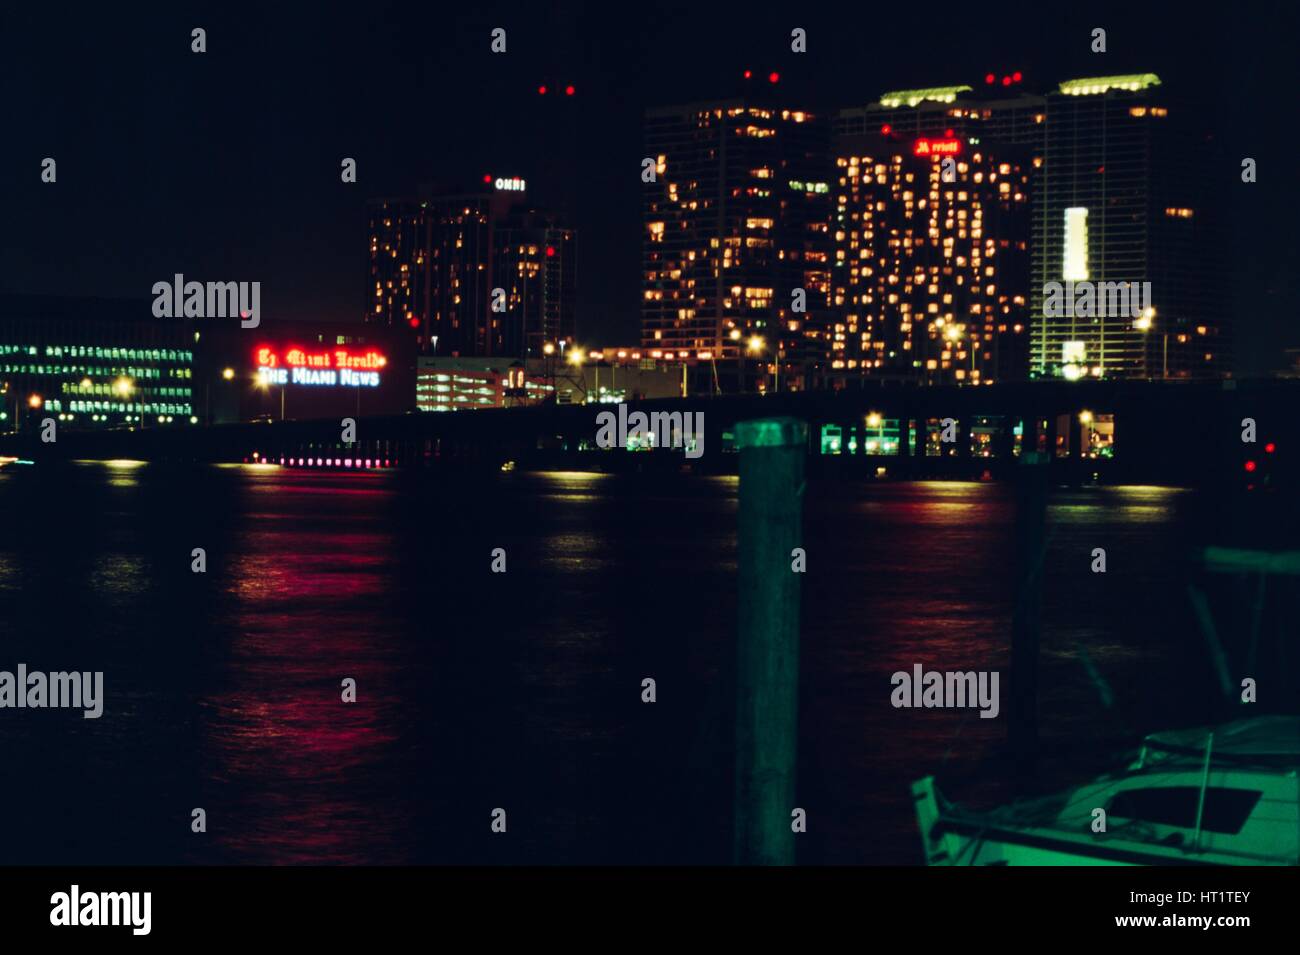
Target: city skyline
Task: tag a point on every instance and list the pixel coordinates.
(876, 451)
(570, 149)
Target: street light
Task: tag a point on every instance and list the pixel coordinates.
(35, 401)
(228, 374)
(1085, 432)
(1144, 323)
(124, 386)
(262, 382)
(755, 346)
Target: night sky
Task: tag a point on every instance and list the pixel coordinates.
(225, 166)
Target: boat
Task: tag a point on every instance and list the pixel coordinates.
(1220, 795)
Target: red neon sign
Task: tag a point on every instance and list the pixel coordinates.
(937, 147)
(369, 360)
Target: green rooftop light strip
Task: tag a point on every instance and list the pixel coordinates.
(1100, 84)
(938, 94)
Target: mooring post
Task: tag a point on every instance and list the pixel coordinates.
(767, 654)
(1031, 539)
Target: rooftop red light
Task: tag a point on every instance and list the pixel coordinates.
(541, 90)
(550, 251)
(774, 77)
(990, 79)
(1017, 76)
(568, 90)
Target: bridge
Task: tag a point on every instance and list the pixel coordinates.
(1155, 432)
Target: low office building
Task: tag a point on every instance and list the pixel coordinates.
(94, 363)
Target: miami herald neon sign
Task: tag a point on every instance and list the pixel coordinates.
(336, 366)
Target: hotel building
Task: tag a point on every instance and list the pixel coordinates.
(931, 274)
(998, 110)
(931, 265)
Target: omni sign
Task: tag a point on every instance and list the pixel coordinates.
(336, 366)
(509, 185)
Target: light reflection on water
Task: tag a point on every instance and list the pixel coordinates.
(477, 690)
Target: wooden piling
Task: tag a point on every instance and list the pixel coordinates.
(772, 455)
(1031, 544)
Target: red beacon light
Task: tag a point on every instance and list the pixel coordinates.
(550, 251)
(886, 129)
(541, 90)
(774, 77)
(749, 74)
(1017, 76)
(487, 177)
(1006, 81)
(1270, 448)
(569, 90)
(1250, 467)
(990, 79)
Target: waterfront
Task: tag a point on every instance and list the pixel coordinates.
(522, 690)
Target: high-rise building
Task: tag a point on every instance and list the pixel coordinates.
(736, 249)
(437, 261)
(399, 249)
(931, 260)
(1126, 281)
(996, 111)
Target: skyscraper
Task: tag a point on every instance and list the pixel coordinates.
(994, 111)
(437, 261)
(736, 249)
(931, 231)
(931, 267)
(1122, 209)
